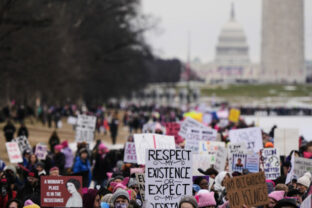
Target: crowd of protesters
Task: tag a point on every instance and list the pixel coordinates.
(107, 181)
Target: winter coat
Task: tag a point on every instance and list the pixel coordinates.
(59, 161)
(82, 166)
(69, 157)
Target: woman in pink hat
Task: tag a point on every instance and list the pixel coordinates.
(274, 197)
(206, 199)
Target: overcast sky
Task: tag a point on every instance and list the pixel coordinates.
(204, 19)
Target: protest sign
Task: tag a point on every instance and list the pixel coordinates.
(271, 163)
(141, 182)
(61, 191)
(172, 129)
(301, 166)
(129, 153)
(144, 142)
(221, 156)
(85, 128)
(168, 176)
(252, 137)
(286, 140)
(14, 152)
(149, 127)
(245, 161)
(136, 170)
(189, 123)
(234, 115)
(209, 147)
(250, 190)
(195, 135)
(23, 143)
(306, 203)
(200, 161)
(41, 151)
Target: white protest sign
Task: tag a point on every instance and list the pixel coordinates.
(252, 137)
(144, 142)
(271, 163)
(85, 128)
(141, 182)
(220, 159)
(307, 202)
(195, 135)
(201, 161)
(168, 177)
(14, 152)
(129, 153)
(209, 147)
(23, 143)
(149, 127)
(286, 140)
(189, 123)
(301, 166)
(41, 151)
(245, 161)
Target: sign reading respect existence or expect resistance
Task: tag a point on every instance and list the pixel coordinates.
(168, 177)
(85, 128)
(250, 190)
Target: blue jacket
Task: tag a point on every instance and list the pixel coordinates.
(80, 166)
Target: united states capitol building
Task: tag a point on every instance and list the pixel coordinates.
(282, 49)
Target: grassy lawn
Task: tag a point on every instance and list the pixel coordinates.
(249, 90)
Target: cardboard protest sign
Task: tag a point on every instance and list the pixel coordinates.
(252, 137)
(221, 156)
(168, 177)
(141, 182)
(85, 128)
(41, 151)
(271, 163)
(306, 203)
(234, 115)
(245, 161)
(172, 129)
(144, 142)
(201, 161)
(301, 166)
(23, 143)
(250, 190)
(129, 153)
(14, 152)
(286, 140)
(61, 191)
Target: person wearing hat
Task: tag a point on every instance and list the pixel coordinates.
(206, 199)
(30, 204)
(54, 171)
(303, 184)
(274, 197)
(40, 169)
(121, 199)
(188, 202)
(101, 166)
(69, 156)
(59, 158)
(82, 164)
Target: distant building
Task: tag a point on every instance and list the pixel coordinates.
(231, 63)
(282, 55)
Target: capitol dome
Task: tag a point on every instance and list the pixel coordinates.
(232, 47)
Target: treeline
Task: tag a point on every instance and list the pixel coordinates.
(87, 50)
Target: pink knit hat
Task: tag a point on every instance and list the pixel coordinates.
(277, 195)
(58, 147)
(206, 199)
(103, 147)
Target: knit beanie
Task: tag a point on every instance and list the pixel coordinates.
(58, 147)
(305, 179)
(277, 195)
(206, 199)
(30, 204)
(132, 182)
(120, 193)
(188, 199)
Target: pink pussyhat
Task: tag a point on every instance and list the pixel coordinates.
(277, 195)
(109, 175)
(206, 199)
(103, 147)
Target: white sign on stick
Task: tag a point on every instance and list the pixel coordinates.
(301, 166)
(195, 135)
(144, 142)
(129, 153)
(85, 128)
(271, 163)
(14, 152)
(252, 137)
(286, 140)
(220, 159)
(168, 177)
(23, 143)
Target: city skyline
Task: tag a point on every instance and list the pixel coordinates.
(204, 19)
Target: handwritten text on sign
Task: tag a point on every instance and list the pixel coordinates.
(14, 152)
(271, 163)
(250, 190)
(251, 136)
(85, 128)
(168, 177)
(130, 154)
